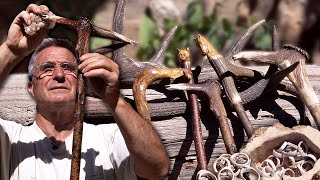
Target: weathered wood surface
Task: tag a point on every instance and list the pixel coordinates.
(172, 119)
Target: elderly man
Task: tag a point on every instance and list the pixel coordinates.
(129, 149)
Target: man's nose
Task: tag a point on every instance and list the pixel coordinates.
(58, 74)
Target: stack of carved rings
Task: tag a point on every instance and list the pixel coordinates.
(205, 175)
(289, 160)
(236, 166)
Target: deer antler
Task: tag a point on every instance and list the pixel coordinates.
(130, 68)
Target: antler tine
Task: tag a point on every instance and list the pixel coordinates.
(257, 56)
(107, 49)
(156, 58)
(104, 33)
(184, 86)
(275, 39)
(283, 58)
(118, 20)
(265, 85)
(117, 26)
(60, 20)
(118, 17)
(275, 47)
(95, 31)
(239, 45)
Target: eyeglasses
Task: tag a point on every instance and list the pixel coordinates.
(47, 69)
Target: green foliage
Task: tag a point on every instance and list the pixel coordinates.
(262, 38)
(149, 38)
(217, 31)
(195, 16)
(96, 42)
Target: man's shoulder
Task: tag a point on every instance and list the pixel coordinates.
(10, 128)
(10, 124)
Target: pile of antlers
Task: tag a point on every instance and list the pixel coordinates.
(288, 61)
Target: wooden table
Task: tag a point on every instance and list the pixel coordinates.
(171, 120)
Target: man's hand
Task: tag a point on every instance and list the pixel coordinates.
(18, 42)
(103, 76)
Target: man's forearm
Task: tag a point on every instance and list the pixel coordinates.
(8, 60)
(143, 142)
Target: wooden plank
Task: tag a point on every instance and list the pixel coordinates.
(171, 120)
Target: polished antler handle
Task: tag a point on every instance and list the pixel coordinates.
(219, 64)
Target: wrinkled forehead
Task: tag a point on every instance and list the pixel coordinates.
(55, 54)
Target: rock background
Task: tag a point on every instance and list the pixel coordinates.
(298, 20)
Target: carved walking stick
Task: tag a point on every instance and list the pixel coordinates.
(83, 27)
(218, 63)
(147, 77)
(212, 90)
(83, 31)
(184, 58)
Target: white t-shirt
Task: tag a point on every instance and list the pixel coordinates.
(26, 153)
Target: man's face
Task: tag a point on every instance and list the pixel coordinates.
(59, 85)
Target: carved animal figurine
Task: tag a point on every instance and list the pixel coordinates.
(184, 54)
(184, 58)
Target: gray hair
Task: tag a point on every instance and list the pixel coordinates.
(49, 42)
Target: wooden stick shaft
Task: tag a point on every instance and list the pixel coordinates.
(196, 123)
(78, 128)
(83, 29)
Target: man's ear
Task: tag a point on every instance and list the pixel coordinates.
(30, 88)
